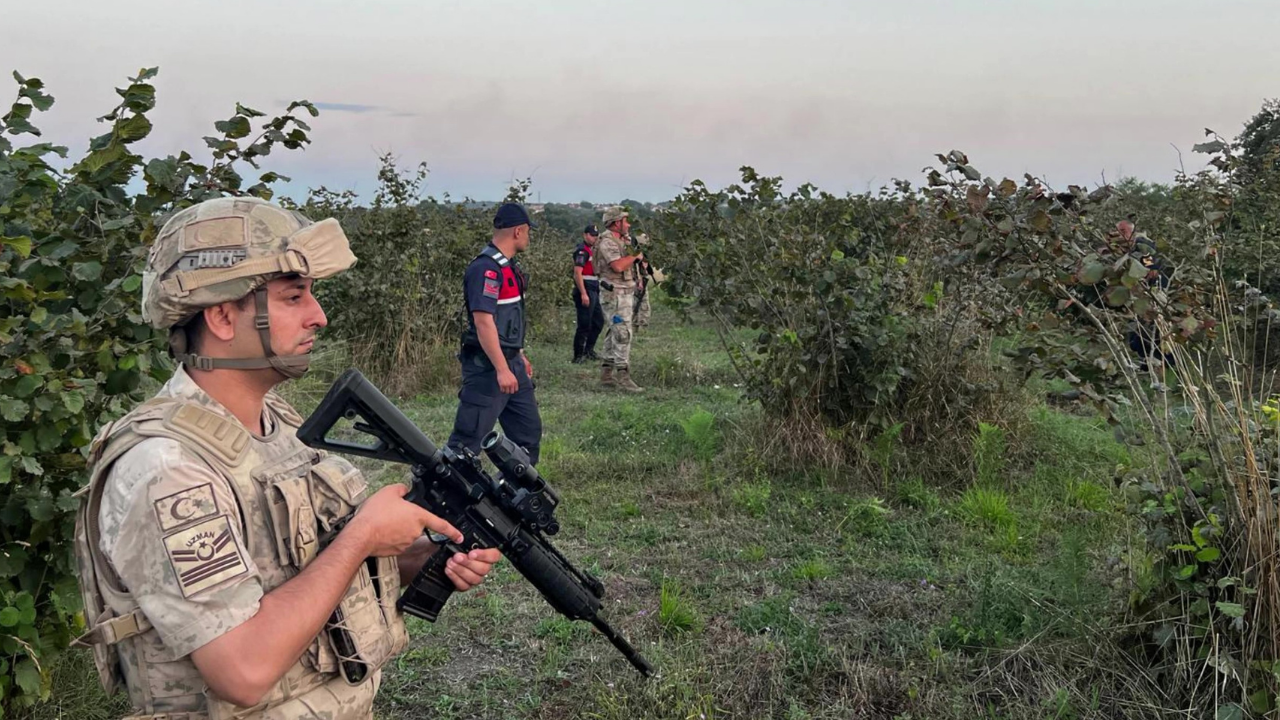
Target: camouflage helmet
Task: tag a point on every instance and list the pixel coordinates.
(224, 249)
(613, 214)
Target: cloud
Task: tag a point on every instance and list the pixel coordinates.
(346, 107)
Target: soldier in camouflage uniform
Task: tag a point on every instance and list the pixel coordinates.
(227, 570)
(619, 279)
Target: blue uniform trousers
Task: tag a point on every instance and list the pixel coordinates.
(590, 319)
(481, 404)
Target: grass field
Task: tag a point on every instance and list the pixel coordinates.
(760, 588)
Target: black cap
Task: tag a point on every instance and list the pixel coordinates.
(511, 215)
(591, 230)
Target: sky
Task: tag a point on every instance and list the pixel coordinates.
(601, 101)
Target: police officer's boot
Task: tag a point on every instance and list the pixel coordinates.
(626, 383)
(606, 377)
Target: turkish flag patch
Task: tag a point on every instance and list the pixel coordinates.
(185, 507)
(491, 274)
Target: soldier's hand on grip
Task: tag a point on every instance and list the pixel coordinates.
(391, 524)
(469, 569)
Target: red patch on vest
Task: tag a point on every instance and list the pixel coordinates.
(509, 287)
(493, 274)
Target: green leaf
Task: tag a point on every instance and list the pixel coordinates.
(48, 437)
(133, 129)
(1185, 572)
(235, 128)
(1208, 554)
(39, 315)
(27, 677)
(31, 465)
(88, 271)
(131, 283)
(13, 410)
(26, 385)
(6, 469)
(20, 245)
(1230, 609)
(10, 616)
(1092, 273)
(1117, 296)
(73, 401)
(1211, 147)
(99, 159)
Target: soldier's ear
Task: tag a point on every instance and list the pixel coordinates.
(220, 320)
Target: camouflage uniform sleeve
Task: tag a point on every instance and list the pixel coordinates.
(608, 250)
(171, 530)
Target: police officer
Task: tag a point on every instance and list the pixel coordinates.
(207, 592)
(497, 378)
(619, 279)
(586, 298)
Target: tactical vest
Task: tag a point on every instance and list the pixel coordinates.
(510, 317)
(619, 280)
(589, 276)
(289, 495)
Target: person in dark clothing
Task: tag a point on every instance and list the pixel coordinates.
(1143, 336)
(586, 298)
(497, 377)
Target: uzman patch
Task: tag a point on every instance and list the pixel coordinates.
(188, 506)
(205, 555)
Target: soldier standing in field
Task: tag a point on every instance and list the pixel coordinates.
(619, 280)
(497, 377)
(586, 297)
(208, 592)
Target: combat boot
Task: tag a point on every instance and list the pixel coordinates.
(626, 383)
(606, 377)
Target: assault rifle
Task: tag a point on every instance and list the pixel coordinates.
(655, 276)
(513, 512)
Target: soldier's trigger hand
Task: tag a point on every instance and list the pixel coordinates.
(507, 382)
(389, 524)
(467, 570)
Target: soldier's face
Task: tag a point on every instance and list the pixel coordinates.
(295, 317)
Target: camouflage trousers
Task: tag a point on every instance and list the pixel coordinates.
(642, 312)
(618, 306)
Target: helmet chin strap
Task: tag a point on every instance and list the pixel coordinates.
(292, 366)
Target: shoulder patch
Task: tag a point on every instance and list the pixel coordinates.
(205, 555)
(220, 435)
(188, 506)
(492, 274)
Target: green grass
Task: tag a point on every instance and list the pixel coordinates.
(790, 592)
